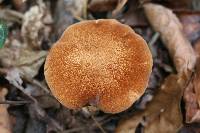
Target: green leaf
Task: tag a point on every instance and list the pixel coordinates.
(3, 33)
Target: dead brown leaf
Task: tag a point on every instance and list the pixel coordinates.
(197, 74)
(102, 5)
(27, 61)
(191, 26)
(164, 21)
(192, 93)
(191, 105)
(65, 12)
(5, 125)
(119, 7)
(34, 24)
(162, 114)
(47, 101)
(134, 16)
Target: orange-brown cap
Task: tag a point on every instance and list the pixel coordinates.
(99, 62)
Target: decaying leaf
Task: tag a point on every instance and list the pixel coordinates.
(30, 61)
(162, 114)
(119, 7)
(36, 112)
(197, 74)
(75, 7)
(65, 11)
(5, 125)
(33, 23)
(27, 61)
(192, 93)
(134, 16)
(191, 25)
(47, 101)
(191, 105)
(11, 15)
(164, 21)
(102, 5)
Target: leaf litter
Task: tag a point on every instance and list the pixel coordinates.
(34, 26)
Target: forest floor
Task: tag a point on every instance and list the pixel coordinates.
(170, 104)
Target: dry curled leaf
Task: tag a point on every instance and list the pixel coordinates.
(134, 16)
(102, 5)
(34, 23)
(192, 93)
(167, 24)
(119, 7)
(31, 25)
(162, 114)
(27, 61)
(36, 112)
(5, 125)
(191, 25)
(65, 11)
(197, 74)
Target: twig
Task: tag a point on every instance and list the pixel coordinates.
(19, 87)
(36, 83)
(85, 9)
(11, 15)
(4, 71)
(14, 102)
(152, 41)
(96, 122)
(78, 18)
(119, 7)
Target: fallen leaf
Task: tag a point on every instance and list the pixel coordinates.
(119, 7)
(191, 26)
(11, 15)
(47, 101)
(162, 114)
(5, 125)
(65, 12)
(192, 93)
(197, 74)
(134, 16)
(191, 105)
(31, 25)
(102, 5)
(34, 24)
(34, 125)
(164, 21)
(27, 61)
(36, 112)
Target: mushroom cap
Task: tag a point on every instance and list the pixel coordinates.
(98, 62)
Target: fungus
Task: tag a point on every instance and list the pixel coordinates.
(98, 62)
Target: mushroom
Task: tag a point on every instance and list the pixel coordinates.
(98, 62)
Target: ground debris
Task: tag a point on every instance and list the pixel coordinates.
(170, 104)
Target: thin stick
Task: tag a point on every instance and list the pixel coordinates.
(85, 9)
(36, 83)
(14, 102)
(152, 41)
(96, 122)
